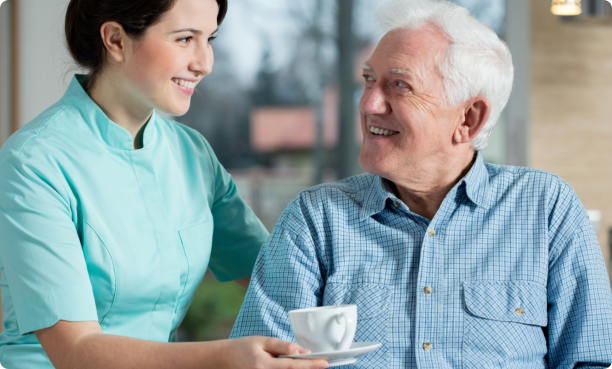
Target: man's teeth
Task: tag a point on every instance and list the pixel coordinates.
(183, 83)
(380, 131)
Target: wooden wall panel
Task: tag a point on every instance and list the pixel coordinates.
(15, 66)
(571, 113)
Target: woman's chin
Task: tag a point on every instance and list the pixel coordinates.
(177, 110)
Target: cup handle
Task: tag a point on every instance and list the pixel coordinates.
(339, 318)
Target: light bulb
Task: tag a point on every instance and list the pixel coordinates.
(566, 7)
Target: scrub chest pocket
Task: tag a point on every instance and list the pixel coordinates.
(503, 323)
(372, 317)
(196, 241)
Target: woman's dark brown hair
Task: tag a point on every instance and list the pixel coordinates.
(85, 17)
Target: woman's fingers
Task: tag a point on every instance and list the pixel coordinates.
(299, 364)
(277, 347)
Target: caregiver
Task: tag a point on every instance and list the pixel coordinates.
(110, 213)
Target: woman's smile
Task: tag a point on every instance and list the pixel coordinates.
(186, 86)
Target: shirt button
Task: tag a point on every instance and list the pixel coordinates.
(396, 204)
(519, 312)
(431, 232)
(427, 346)
(427, 290)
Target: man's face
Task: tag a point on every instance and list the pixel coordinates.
(404, 94)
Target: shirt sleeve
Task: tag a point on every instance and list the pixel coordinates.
(287, 276)
(40, 251)
(579, 294)
(238, 234)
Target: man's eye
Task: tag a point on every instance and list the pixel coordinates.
(185, 40)
(401, 84)
(367, 77)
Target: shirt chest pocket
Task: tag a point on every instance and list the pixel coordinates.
(372, 317)
(503, 323)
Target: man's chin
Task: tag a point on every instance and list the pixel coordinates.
(372, 166)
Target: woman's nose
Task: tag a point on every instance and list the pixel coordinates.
(203, 60)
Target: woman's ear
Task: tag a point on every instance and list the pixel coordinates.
(115, 39)
(475, 115)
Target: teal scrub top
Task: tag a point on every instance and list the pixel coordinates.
(91, 229)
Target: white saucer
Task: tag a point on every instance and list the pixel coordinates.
(345, 357)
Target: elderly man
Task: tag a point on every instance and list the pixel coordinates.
(453, 263)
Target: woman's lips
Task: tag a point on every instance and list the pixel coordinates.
(185, 90)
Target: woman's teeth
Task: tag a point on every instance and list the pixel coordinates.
(183, 83)
(385, 132)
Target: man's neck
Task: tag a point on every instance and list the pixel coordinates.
(120, 107)
(424, 193)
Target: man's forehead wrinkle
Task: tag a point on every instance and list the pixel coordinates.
(415, 71)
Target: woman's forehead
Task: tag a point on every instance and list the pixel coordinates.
(196, 14)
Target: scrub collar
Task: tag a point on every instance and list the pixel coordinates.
(103, 128)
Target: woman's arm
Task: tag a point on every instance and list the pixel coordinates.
(84, 345)
(244, 282)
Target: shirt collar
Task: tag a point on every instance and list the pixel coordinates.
(476, 188)
(103, 128)
(376, 197)
(477, 183)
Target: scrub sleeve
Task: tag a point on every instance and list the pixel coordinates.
(41, 252)
(230, 259)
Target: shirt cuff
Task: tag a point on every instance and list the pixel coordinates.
(36, 311)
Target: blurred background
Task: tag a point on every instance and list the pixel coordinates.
(280, 108)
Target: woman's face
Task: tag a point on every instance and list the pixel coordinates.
(162, 68)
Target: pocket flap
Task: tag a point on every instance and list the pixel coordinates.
(507, 301)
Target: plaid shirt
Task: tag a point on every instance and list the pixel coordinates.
(509, 273)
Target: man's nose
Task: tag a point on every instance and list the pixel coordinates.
(374, 102)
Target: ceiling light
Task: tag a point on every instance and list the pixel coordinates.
(566, 7)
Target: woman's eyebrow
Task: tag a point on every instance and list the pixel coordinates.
(193, 30)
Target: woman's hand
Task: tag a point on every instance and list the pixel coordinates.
(260, 353)
(76, 345)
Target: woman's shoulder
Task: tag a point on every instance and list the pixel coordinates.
(45, 125)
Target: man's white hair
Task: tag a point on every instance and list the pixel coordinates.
(477, 62)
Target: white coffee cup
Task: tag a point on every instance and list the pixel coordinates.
(324, 328)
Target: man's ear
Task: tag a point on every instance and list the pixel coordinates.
(114, 39)
(476, 113)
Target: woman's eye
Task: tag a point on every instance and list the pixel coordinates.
(185, 40)
(211, 39)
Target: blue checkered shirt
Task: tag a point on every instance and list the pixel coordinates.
(508, 274)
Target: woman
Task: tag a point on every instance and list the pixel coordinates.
(110, 214)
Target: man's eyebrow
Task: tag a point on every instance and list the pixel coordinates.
(401, 72)
(364, 66)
